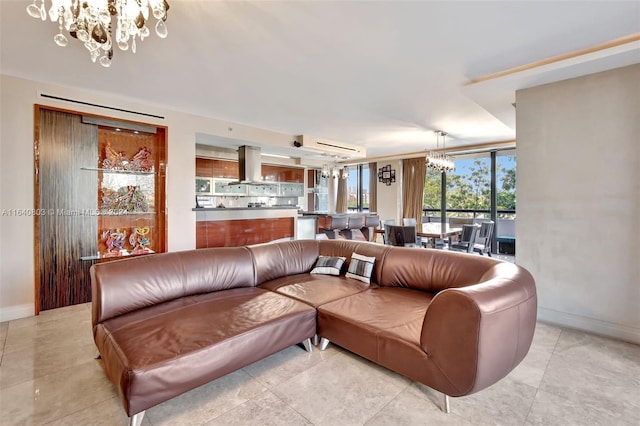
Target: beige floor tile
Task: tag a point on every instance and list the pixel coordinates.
(73, 311)
(288, 363)
(505, 403)
(599, 352)
(57, 332)
(263, 410)
(416, 405)
(206, 402)
(67, 311)
(106, 413)
(4, 328)
(550, 409)
(533, 366)
(55, 396)
(344, 390)
(583, 382)
(34, 362)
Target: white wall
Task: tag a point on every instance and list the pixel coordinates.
(16, 174)
(579, 200)
(390, 197)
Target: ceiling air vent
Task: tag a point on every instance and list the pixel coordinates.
(330, 147)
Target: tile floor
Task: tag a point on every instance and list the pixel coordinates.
(48, 375)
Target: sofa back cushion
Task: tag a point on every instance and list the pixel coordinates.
(275, 260)
(123, 286)
(432, 270)
(346, 248)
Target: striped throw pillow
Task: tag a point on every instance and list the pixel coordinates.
(361, 267)
(328, 265)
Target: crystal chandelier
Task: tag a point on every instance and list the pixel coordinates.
(340, 172)
(439, 160)
(325, 171)
(90, 21)
(335, 172)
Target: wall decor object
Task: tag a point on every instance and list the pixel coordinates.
(386, 175)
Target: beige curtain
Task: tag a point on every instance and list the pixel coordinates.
(413, 175)
(373, 187)
(341, 196)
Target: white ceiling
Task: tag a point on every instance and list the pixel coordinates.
(382, 74)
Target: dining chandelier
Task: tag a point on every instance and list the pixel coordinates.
(325, 171)
(341, 173)
(439, 160)
(90, 21)
(335, 172)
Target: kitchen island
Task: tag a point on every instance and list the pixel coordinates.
(239, 226)
(342, 225)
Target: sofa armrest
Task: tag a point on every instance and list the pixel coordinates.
(477, 334)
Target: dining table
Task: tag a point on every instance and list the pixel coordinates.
(438, 230)
(434, 231)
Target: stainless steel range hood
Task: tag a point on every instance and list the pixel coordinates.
(250, 166)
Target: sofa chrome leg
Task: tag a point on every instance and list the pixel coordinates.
(315, 340)
(446, 408)
(307, 345)
(136, 419)
(324, 343)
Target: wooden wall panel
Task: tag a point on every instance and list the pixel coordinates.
(282, 173)
(225, 169)
(68, 196)
(234, 233)
(204, 167)
(208, 167)
(201, 235)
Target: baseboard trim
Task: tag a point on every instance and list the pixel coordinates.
(565, 319)
(9, 313)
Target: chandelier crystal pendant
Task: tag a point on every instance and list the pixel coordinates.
(91, 22)
(439, 160)
(325, 171)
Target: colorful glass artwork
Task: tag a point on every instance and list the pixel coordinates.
(129, 199)
(114, 240)
(114, 160)
(139, 240)
(142, 162)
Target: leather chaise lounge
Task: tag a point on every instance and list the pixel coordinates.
(167, 323)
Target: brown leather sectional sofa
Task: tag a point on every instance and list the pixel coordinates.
(167, 323)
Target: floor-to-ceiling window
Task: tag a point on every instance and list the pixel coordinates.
(432, 197)
(469, 187)
(468, 190)
(358, 188)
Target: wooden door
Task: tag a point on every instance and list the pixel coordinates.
(66, 203)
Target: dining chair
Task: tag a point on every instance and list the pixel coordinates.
(385, 235)
(467, 239)
(354, 229)
(411, 221)
(458, 222)
(402, 236)
(482, 244)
